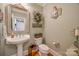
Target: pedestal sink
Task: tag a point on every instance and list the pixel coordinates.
(18, 40)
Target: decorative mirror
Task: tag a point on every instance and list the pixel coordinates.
(17, 19)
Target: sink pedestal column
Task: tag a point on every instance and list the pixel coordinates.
(19, 49)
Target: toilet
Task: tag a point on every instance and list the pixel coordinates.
(43, 49)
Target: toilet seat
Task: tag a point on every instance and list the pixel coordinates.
(43, 48)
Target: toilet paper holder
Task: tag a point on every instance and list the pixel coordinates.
(56, 44)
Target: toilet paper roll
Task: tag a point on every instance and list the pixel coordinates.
(54, 43)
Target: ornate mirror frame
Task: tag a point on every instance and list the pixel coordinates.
(20, 11)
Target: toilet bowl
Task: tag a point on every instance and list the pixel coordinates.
(43, 49)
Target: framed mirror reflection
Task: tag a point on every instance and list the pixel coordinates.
(17, 19)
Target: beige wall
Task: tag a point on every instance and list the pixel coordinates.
(62, 29)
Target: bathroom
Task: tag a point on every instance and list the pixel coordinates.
(57, 25)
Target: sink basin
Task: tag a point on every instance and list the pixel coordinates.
(17, 40)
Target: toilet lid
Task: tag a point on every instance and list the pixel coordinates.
(43, 47)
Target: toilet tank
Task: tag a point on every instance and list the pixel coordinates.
(38, 41)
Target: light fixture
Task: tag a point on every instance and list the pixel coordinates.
(56, 12)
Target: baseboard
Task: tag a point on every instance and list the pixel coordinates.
(24, 53)
(53, 52)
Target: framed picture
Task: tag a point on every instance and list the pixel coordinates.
(37, 22)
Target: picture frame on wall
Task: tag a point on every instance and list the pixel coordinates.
(37, 21)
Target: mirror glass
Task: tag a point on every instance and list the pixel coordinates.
(17, 19)
(18, 23)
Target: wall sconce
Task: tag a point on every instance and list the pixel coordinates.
(56, 12)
